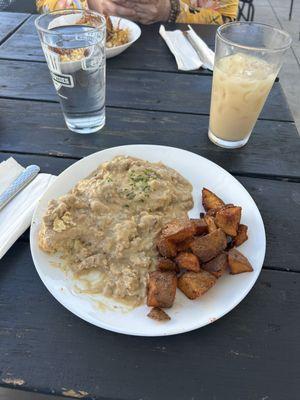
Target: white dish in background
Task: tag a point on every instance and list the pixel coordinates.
(134, 32)
(186, 315)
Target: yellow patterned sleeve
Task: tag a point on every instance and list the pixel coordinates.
(207, 11)
(51, 5)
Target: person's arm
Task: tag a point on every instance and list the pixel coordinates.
(207, 11)
(188, 11)
(106, 7)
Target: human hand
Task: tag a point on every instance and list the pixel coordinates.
(112, 7)
(63, 4)
(148, 11)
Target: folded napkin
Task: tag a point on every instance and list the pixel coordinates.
(188, 56)
(16, 216)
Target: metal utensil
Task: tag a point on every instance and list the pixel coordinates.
(18, 184)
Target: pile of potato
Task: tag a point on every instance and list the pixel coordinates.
(195, 253)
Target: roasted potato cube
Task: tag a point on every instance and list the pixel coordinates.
(228, 219)
(161, 289)
(241, 236)
(217, 266)
(178, 230)
(238, 263)
(210, 200)
(166, 247)
(210, 222)
(195, 284)
(165, 264)
(200, 226)
(158, 314)
(185, 245)
(212, 212)
(209, 246)
(188, 261)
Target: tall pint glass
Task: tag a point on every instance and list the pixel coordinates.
(248, 58)
(73, 42)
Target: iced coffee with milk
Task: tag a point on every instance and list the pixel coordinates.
(241, 85)
(248, 57)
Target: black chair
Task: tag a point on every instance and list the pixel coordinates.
(291, 9)
(246, 10)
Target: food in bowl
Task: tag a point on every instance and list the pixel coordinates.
(107, 225)
(67, 55)
(115, 36)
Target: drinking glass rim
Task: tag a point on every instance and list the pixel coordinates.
(247, 47)
(70, 11)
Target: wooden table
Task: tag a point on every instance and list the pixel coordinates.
(251, 353)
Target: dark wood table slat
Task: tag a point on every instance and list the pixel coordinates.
(152, 50)
(282, 238)
(43, 131)
(53, 351)
(9, 23)
(157, 91)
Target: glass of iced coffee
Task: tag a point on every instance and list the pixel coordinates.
(248, 57)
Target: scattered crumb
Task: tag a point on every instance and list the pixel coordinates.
(13, 381)
(72, 393)
(158, 314)
(246, 355)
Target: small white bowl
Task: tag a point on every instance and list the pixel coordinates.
(134, 33)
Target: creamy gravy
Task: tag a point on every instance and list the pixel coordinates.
(105, 227)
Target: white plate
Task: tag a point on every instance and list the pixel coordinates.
(134, 33)
(186, 314)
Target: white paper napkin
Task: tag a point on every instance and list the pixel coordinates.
(187, 58)
(16, 216)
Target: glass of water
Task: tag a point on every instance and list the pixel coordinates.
(73, 42)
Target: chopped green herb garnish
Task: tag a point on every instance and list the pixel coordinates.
(139, 184)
